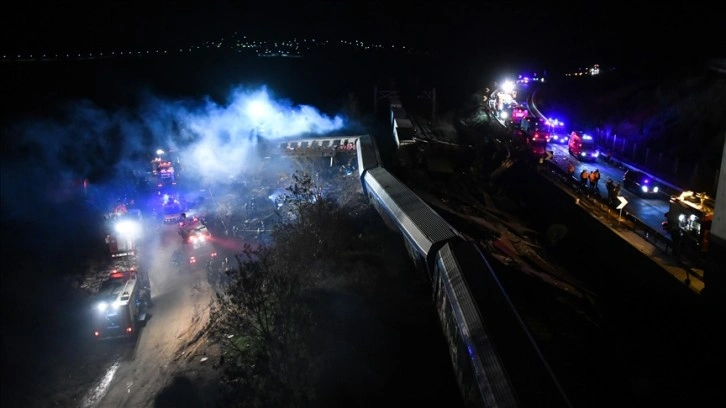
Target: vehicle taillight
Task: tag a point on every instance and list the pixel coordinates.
(129, 329)
(97, 333)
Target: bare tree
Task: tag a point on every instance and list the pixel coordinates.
(273, 319)
(263, 321)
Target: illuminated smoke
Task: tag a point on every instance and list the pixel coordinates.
(214, 141)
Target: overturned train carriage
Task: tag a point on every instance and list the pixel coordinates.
(495, 359)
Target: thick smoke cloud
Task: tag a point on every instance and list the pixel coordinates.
(46, 160)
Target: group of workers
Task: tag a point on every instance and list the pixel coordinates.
(588, 180)
(589, 183)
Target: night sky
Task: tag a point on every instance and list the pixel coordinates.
(534, 31)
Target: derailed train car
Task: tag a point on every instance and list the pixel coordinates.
(496, 361)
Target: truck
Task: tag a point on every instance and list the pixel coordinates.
(121, 305)
(173, 205)
(122, 231)
(197, 241)
(688, 220)
(163, 171)
(536, 129)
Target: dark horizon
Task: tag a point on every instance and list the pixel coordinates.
(555, 38)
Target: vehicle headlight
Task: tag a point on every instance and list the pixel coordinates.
(116, 304)
(644, 188)
(102, 306)
(597, 153)
(655, 189)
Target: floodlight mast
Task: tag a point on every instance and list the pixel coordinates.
(508, 86)
(128, 230)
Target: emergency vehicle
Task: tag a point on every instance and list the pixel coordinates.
(689, 219)
(518, 114)
(163, 170)
(536, 129)
(197, 241)
(582, 146)
(173, 206)
(121, 304)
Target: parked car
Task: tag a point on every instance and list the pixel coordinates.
(640, 183)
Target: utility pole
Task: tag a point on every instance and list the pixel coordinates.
(431, 95)
(381, 94)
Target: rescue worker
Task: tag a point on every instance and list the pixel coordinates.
(592, 178)
(610, 187)
(597, 178)
(571, 171)
(584, 176)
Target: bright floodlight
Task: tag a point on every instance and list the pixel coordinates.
(258, 109)
(159, 152)
(127, 227)
(508, 86)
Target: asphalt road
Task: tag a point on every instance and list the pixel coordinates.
(650, 210)
(181, 299)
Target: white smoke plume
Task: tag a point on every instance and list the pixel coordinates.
(47, 157)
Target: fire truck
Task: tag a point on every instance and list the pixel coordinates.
(173, 205)
(689, 219)
(163, 171)
(197, 241)
(536, 129)
(121, 304)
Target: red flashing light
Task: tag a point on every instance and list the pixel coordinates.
(97, 333)
(116, 275)
(129, 329)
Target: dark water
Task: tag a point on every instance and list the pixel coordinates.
(49, 232)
